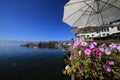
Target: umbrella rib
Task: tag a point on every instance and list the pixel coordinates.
(81, 15)
(98, 12)
(98, 19)
(76, 12)
(90, 15)
(111, 4)
(102, 18)
(89, 6)
(104, 5)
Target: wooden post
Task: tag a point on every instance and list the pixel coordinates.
(71, 50)
(71, 42)
(72, 76)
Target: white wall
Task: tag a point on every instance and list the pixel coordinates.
(100, 34)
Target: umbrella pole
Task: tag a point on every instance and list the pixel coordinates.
(72, 76)
(71, 50)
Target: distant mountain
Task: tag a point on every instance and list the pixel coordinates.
(12, 42)
(67, 41)
(15, 42)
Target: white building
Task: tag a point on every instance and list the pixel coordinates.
(102, 33)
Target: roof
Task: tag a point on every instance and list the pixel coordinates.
(91, 29)
(86, 30)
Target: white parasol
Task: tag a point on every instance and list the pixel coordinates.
(85, 13)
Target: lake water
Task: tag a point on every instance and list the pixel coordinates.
(20, 63)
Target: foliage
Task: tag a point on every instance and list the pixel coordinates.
(94, 61)
(50, 44)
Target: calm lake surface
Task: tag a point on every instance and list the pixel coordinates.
(20, 63)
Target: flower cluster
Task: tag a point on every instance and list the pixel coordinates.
(94, 61)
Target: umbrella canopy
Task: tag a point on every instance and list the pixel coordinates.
(84, 13)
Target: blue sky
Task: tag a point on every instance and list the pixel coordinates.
(33, 20)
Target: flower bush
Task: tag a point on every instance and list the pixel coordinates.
(94, 61)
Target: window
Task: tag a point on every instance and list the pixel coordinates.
(102, 30)
(87, 35)
(103, 34)
(97, 32)
(118, 28)
(92, 34)
(107, 34)
(107, 29)
(82, 36)
(111, 27)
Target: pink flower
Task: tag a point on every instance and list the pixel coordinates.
(87, 51)
(102, 49)
(112, 45)
(91, 46)
(94, 49)
(79, 70)
(118, 48)
(80, 43)
(103, 45)
(76, 44)
(99, 53)
(83, 44)
(95, 43)
(108, 69)
(111, 63)
(107, 51)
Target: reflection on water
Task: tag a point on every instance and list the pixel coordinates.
(20, 63)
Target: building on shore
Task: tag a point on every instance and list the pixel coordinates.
(96, 33)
